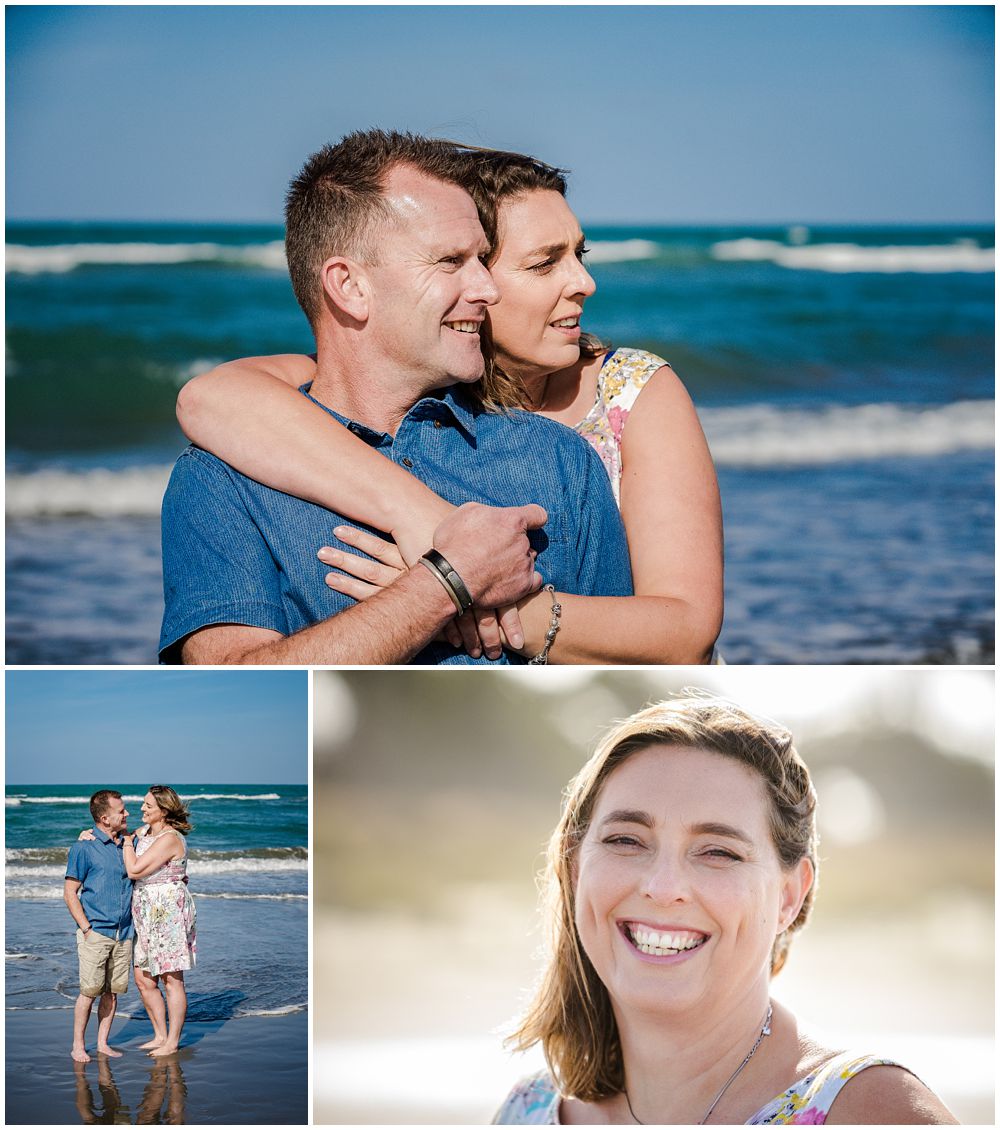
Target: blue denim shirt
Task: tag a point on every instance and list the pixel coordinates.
(106, 893)
(237, 552)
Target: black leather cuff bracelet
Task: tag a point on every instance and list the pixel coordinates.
(453, 583)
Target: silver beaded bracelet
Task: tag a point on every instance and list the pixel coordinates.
(554, 625)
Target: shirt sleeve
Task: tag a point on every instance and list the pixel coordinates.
(78, 863)
(602, 561)
(217, 566)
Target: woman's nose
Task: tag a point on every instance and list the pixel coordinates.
(665, 882)
(582, 283)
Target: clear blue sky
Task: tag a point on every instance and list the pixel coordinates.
(192, 727)
(671, 114)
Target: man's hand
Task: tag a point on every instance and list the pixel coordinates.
(488, 547)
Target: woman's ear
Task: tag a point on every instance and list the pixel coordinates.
(345, 284)
(798, 882)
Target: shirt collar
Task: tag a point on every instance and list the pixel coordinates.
(455, 398)
(102, 835)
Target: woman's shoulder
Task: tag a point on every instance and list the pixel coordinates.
(810, 1099)
(625, 373)
(533, 1101)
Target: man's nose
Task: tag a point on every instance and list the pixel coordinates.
(479, 285)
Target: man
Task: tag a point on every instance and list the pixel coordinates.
(386, 251)
(99, 896)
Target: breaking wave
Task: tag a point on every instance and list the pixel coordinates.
(60, 258)
(841, 258)
(765, 436)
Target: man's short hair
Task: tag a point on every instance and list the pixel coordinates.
(99, 803)
(335, 204)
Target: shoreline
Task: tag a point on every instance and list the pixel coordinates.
(249, 1070)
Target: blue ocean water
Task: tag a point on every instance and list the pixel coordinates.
(248, 873)
(844, 377)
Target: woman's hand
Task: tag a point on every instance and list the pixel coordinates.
(478, 631)
(86, 834)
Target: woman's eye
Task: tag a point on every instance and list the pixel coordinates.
(622, 840)
(581, 251)
(721, 853)
(545, 265)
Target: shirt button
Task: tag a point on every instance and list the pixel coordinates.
(437, 424)
(407, 462)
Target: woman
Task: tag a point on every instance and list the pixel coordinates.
(684, 861)
(628, 404)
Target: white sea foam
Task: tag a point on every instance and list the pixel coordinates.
(841, 258)
(622, 250)
(286, 1010)
(33, 891)
(98, 493)
(60, 258)
(250, 863)
(234, 895)
(763, 436)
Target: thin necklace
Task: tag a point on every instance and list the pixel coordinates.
(764, 1031)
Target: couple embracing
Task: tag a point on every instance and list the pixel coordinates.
(127, 892)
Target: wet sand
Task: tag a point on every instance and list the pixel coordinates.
(245, 1070)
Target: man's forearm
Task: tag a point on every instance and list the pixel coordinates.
(390, 627)
(75, 907)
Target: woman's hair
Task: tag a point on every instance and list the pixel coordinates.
(571, 1015)
(175, 812)
(496, 177)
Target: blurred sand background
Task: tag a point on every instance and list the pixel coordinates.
(436, 791)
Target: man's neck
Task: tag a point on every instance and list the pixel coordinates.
(367, 390)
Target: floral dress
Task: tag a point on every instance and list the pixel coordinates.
(535, 1100)
(622, 377)
(164, 915)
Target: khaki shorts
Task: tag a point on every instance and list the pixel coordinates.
(104, 963)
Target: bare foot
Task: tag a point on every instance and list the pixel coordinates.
(108, 1050)
(80, 1055)
(167, 1049)
(155, 1042)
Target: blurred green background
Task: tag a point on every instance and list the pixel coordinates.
(435, 792)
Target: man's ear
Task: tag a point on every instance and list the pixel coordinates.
(345, 284)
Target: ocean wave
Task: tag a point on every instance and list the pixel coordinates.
(256, 857)
(22, 957)
(99, 493)
(285, 1010)
(33, 891)
(765, 436)
(52, 869)
(623, 250)
(21, 798)
(235, 895)
(842, 258)
(60, 258)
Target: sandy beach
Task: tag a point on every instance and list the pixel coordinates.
(250, 1070)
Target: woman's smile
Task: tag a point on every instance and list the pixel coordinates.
(665, 944)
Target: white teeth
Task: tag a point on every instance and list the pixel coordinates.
(567, 323)
(662, 944)
(464, 327)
